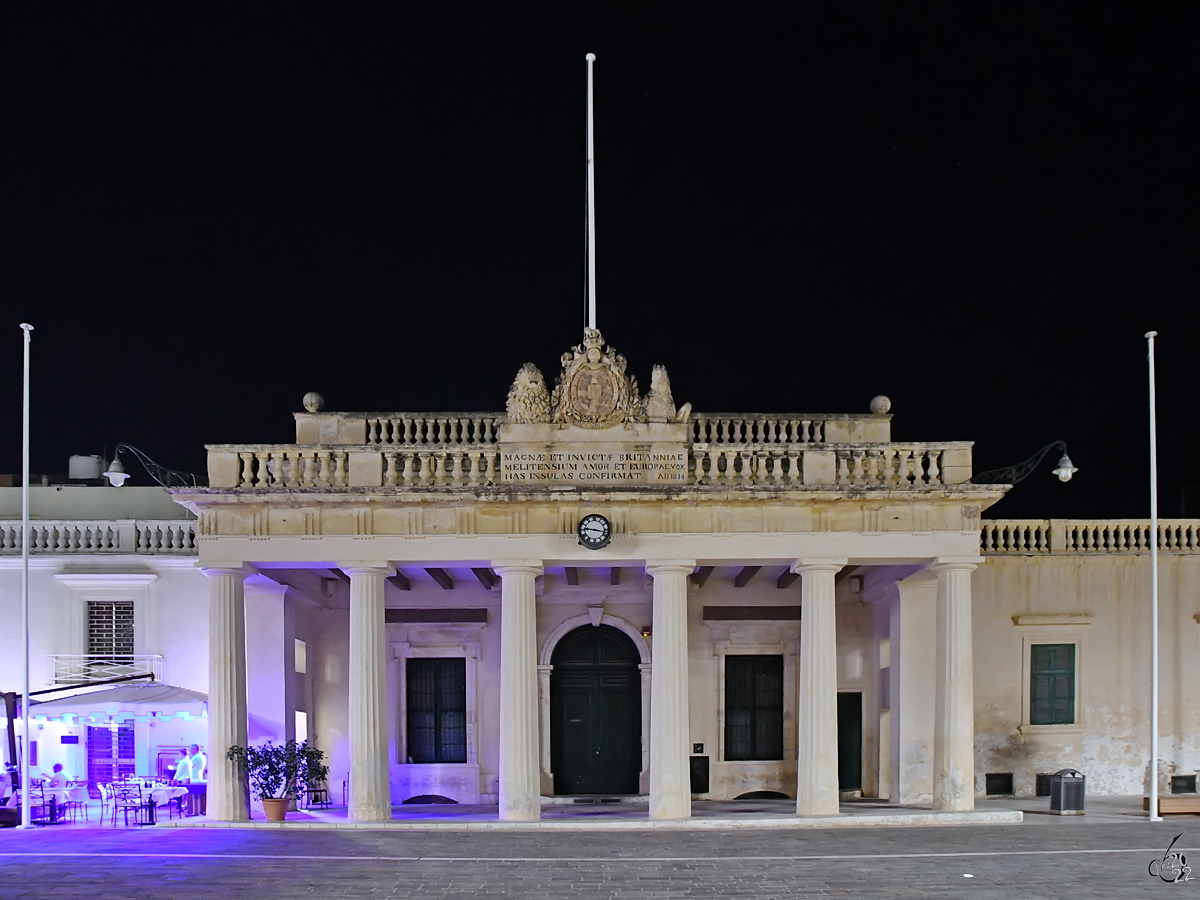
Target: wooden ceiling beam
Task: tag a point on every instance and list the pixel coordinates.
(787, 579)
(486, 577)
(701, 575)
(614, 575)
(744, 576)
(572, 575)
(442, 577)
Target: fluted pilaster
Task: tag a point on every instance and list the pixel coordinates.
(954, 712)
(817, 743)
(670, 778)
(370, 790)
(520, 784)
(227, 798)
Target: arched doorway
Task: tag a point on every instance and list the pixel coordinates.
(595, 712)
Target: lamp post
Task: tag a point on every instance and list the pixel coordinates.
(117, 476)
(25, 793)
(1154, 816)
(1015, 474)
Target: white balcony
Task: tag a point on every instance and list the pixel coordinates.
(77, 536)
(88, 668)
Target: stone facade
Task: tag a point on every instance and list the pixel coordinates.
(342, 564)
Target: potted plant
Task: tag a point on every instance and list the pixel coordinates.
(276, 771)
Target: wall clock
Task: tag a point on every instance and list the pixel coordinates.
(594, 531)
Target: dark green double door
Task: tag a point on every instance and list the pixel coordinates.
(595, 713)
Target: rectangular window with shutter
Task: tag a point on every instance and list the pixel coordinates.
(110, 628)
(436, 694)
(753, 707)
(1052, 684)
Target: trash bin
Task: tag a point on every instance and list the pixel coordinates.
(1066, 792)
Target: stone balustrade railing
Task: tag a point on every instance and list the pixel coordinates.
(1036, 536)
(481, 429)
(299, 467)
(776, 429)
(102, 536)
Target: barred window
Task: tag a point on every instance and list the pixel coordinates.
(110, 627)
(437, 710)
(1052, 684)
(753, 707)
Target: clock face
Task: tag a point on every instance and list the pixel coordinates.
(595, 531)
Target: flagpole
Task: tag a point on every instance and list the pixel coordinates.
(591, 205)
(26, 797)
(1154, 814)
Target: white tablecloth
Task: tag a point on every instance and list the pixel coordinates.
(68, 794)
(164, 795)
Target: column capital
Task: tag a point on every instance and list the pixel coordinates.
(225, 567)
(955, 563)
(504, 567)
(819, 564)
(374, 567)
(667, 566)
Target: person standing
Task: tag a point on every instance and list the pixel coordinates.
(199, 764)
(183, 767)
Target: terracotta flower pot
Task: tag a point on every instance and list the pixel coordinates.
(275, 808)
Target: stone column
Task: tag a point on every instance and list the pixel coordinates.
(670, 778)
(370, 786)
(227, 797)
(520, 784)
(954, 708)
(816, 706)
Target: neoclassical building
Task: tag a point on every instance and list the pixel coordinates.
(599, 592)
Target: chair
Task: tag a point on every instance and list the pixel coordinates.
(41, 811)
(317, 796)
(128, 798)
(106, 795)
(72, 808)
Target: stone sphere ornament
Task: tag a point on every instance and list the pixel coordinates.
(881, 405)
(314, 402)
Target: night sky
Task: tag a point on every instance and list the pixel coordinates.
(977, 210)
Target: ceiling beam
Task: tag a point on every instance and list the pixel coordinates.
(572, 575)
(486, 577)
(614, 575)
(701, 575)
(787, 579)
(744, 576)
(340, 575)
(442, 577)
(401, 582)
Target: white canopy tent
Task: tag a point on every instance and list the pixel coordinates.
(140, 702)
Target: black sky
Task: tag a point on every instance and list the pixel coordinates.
(975, 209)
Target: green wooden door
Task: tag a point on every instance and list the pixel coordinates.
(850, 738)
(595, 713)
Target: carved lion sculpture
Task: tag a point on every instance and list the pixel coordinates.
(528, 399)
(660, 405)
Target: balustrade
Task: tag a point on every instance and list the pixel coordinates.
(101, 536)
(432, 430)
(749, 428)
(1083, 536)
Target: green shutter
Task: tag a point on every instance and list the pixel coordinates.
(1052, 684)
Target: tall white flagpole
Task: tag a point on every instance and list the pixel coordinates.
(591, 206)
(26, 798)
(1154, 816)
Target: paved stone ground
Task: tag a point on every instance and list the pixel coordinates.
(1100, 857)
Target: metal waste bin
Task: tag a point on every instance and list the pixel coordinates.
(1067, 792)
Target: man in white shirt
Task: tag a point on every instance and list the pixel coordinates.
(183, 768)
(199, 764)
(60, 779)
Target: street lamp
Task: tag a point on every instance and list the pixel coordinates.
(1021, 471)
(168, 478)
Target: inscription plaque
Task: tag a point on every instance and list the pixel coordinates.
(593, 466)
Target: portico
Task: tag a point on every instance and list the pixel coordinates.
(801, 539)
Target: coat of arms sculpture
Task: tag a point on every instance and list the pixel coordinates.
(593, 391)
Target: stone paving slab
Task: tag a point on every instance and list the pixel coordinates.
(1105, 860)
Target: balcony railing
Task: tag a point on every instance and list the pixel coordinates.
(840, 465)
(92, 667)
(167, 536)
(1087, 536)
